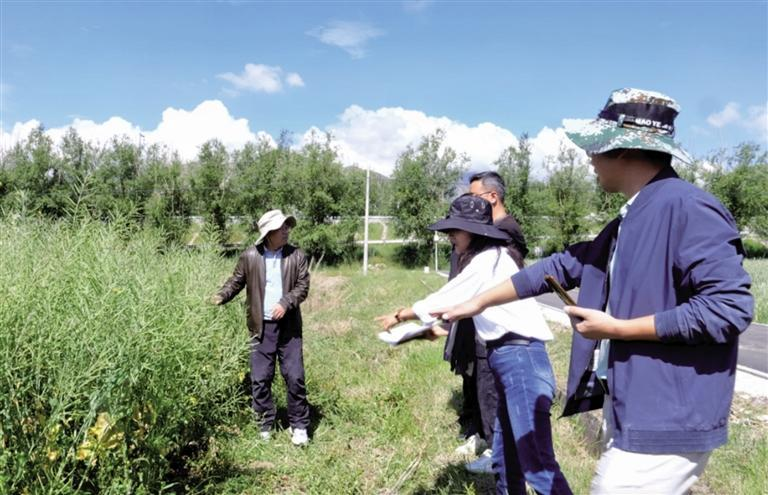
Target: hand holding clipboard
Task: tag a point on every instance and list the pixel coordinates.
(558, 289)
(563, 295)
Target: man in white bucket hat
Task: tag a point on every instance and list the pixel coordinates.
(276, 278)
(663, 299)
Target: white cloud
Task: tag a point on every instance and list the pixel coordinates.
(259, 78)
(754, 120)
(726, 116)
(293, 79)
(93, 132)
(19, 132)
(377, 137)
(180, 130)
(363, 137)
(186, 131)
(757, 120)
(347, 35)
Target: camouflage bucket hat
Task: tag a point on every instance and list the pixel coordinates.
(633, 119)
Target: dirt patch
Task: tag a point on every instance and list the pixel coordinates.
(335, 327)
(325, 293)
(751, 411)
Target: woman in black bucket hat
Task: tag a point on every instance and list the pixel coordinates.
(514, 335)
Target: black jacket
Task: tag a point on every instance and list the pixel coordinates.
(250, 271)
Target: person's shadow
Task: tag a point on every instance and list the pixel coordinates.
(454, 479)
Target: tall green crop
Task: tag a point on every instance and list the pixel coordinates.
(112, 367)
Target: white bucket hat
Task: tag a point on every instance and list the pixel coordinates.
(273, 220)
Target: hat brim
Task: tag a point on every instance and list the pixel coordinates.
(601, 135)
(289, 219)
(482, 229)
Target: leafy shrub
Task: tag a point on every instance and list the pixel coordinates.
(755, 249)
(329, 242)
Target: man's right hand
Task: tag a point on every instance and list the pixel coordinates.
(216, 300)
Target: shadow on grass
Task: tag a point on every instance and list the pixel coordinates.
(315, 418)
(455, 479)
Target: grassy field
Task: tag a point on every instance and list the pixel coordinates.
(375, 231)
(758, 269)
(384, 419)
(116, 377)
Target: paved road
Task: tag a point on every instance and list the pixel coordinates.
(753, 344)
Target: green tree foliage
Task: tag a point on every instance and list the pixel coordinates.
(254, 180)
(209, 187)
(168, 206)
(315, 184)
(570, 191)
(514, 166)
(740, 180)
(424, 180)
(117, 187)
(35, 181)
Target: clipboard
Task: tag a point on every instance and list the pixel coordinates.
(558, 289)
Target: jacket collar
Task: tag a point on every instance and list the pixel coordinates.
(648, 191)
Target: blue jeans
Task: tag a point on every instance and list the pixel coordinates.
(522, 437)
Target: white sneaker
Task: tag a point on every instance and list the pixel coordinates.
(265, 435)
(481, 465)
(473, 446)
(299, 436)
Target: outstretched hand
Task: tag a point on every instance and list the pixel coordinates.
(436, 332)
(386, 321)
(458, 312)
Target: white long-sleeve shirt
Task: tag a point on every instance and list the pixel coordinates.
(486, 270)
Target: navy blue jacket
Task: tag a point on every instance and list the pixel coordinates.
(679, 258)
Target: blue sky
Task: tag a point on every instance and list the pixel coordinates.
(378, 75)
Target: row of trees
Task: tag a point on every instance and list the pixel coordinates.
(569, 205)
(154, 187)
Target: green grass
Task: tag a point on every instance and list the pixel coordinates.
(385, 418)
(375, 231)
(758, 269)
(101, 319)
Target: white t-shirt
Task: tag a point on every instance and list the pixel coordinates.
(487, 270)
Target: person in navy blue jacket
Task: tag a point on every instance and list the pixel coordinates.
(663, 299)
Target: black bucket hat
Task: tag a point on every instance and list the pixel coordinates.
(471, 214)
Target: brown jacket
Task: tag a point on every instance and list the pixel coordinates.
(250, 271)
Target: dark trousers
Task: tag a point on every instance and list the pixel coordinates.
(284, 344)
(480, 398)
(487, 395)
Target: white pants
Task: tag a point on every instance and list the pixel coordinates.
(622, 472)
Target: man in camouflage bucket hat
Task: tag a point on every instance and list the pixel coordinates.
(632, 119)
(663, 299)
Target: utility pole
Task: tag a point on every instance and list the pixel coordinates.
(435, 239)
(367, 202)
